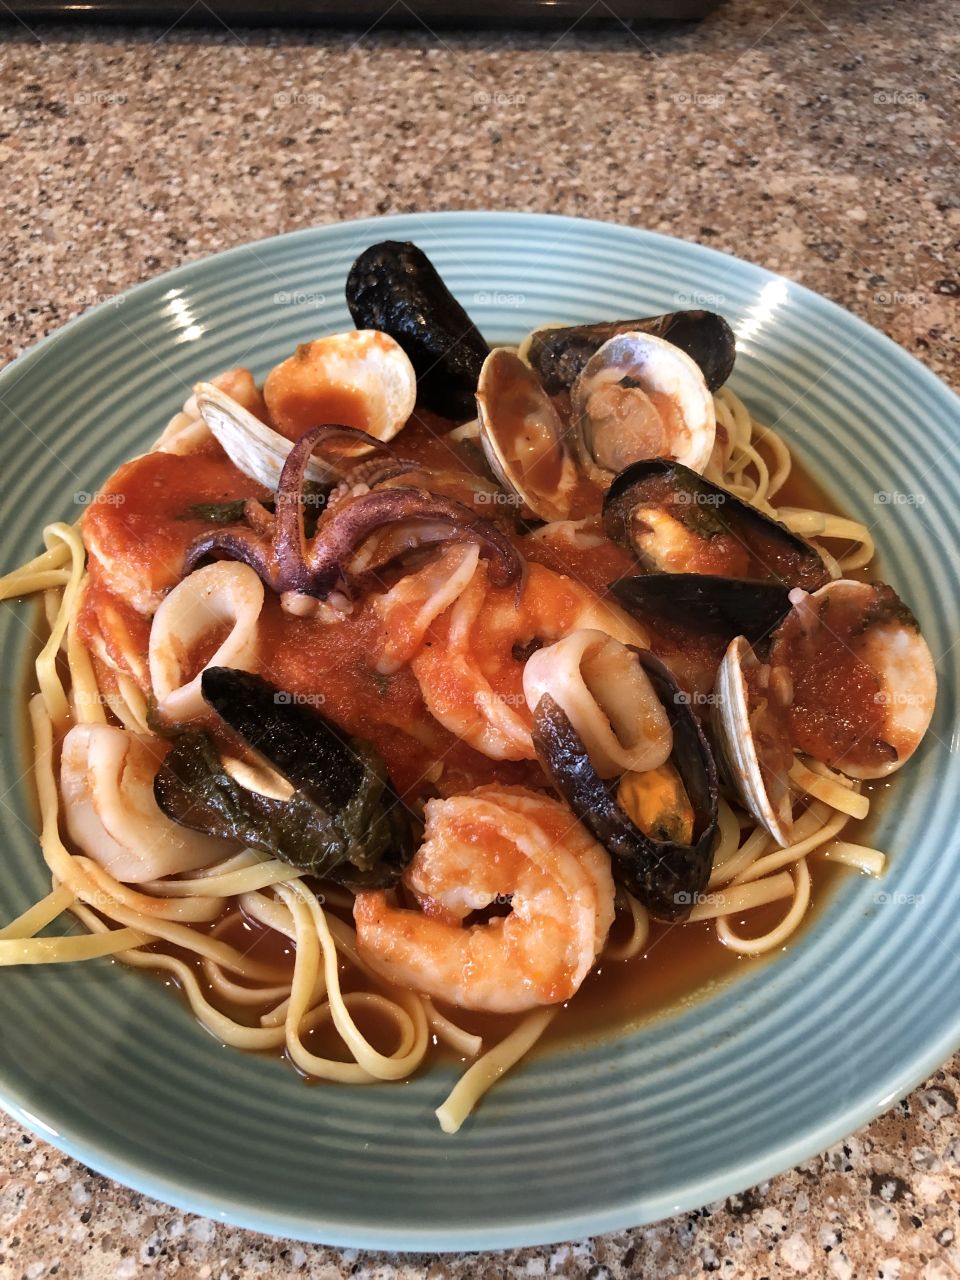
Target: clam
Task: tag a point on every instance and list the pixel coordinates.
(558, 353)
(752, 736)
(394, 287)
(362, 379)
(523, 437)
(675, 521)
(259, 451)
(862, 679)
(640, 397)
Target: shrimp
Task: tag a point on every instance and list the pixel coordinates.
(495, 845)
(470, 666)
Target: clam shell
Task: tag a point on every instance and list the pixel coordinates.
(523, 436)
(606, 445)
(253, 447)
(365, 362)
(738, 750)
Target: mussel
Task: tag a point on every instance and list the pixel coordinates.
(327, 805)
(752, 735)
(639, 397)
(675, 521)
(523, 437)
(559, 353)
(705, 603)
(862, 680)
(666, 875)
(394, 287)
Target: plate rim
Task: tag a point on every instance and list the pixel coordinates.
(544, 1229)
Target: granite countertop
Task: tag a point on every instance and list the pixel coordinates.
(812, 138)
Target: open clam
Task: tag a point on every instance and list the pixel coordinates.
(640, 397)
(752, 735)
(675, 521)
(259, 451)
(862, 679)
(361, 378)
(558, 353)
(523, 437)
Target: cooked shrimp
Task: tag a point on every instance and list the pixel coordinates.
(470, 666)
(496, 845)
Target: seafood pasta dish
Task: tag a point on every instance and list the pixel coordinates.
(389, 707)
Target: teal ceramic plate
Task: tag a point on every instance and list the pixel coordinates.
(111, 1067)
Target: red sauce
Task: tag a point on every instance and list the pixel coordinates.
(335, 663)
(139, 527)
(837, 713)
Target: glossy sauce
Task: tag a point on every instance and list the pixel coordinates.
(680, 964)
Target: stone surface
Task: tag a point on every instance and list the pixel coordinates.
(820, 140)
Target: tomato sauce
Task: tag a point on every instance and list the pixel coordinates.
(140, 525)
(335, 665)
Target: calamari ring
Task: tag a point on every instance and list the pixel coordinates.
(470, 666)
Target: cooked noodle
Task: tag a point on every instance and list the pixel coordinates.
(154, 925)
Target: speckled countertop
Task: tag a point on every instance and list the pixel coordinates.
(820, 140)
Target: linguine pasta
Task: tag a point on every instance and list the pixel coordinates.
(186, 925)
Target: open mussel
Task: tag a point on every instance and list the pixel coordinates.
(639, 397)
(675, 521)
(303, 790)
(862, 680)
(559, 353)
(523, 437)
(666, 863)
(394, 287)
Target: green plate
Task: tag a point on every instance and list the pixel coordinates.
(111, 1067)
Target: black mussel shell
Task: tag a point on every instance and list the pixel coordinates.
(777, 554)
(666, 877)
(343, 819)
(559, 355)
(726, 607)
(394, 287)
